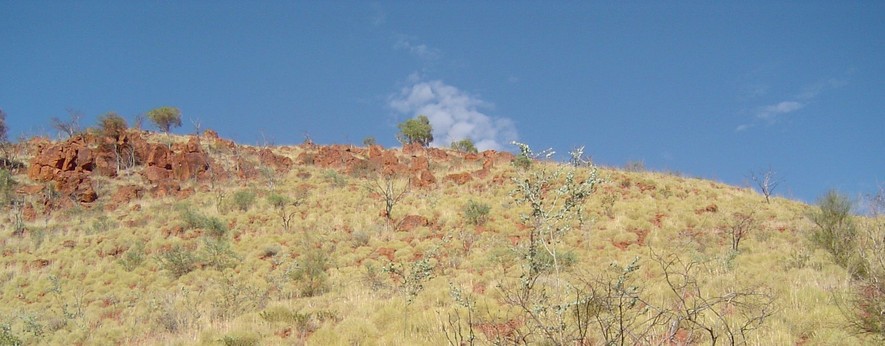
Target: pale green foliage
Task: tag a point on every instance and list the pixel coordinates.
(212, 225)
(411, 277)
(835, 230)
(178, 261)
(465, 145)
(310, 272)
(555, 195)
(417, 130)
(165, 117)
(243, 199)
(476, 213)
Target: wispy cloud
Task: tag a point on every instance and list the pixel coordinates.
(453, 114)
(772, 113)
(420, 50)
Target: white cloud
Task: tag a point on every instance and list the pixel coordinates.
(420, 50)
(453, 114)
(772, 111)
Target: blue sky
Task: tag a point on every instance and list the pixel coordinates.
(709, 89)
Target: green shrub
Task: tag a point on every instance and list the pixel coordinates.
(243, 199)
(835, 230)
(177, 261)
(311, 272)
(476, 213)
(216, 253)
(278, 201)
(212, 225)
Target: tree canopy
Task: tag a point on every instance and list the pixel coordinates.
(416, 130)
(165, 117)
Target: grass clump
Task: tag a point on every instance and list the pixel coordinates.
(134, 257)
(476, 213)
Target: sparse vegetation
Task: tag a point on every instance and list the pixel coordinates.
(567, 253)
(69, 127)
(465, 146)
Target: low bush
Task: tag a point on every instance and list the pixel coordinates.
(476, 213)
(177, 261)
(244, 199)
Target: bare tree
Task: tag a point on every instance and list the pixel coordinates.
(766, 181)
(741, 224)
(731, 315)
(391, 191)
(71, 126)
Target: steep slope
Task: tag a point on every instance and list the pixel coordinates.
(155, 239)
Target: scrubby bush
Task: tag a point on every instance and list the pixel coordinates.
(212, 225)
(216, 253)
(369, 141)
(311, 272)
(417, 130)
(243, 199)
(835, 230)
(112, 125)
(476, 213)
(465, 145)
(635, 166)
(177, 261)
(7, 187)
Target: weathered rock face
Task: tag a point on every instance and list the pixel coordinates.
(69, 165)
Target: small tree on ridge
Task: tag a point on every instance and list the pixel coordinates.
(165, 117)
(417, 130)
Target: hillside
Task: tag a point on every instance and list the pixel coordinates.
(148, 239)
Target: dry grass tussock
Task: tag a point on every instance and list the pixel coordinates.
(307, 256)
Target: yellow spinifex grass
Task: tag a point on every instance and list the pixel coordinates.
(64, 280)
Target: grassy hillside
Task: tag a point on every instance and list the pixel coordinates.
(307, 255)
